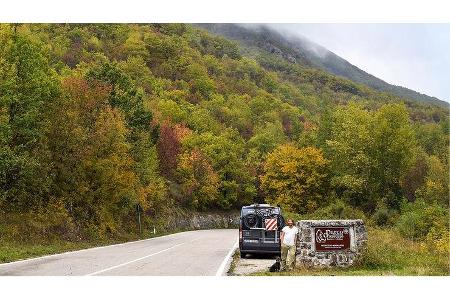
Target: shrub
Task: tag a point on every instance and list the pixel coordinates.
(384, 216)
(437, 238)
(338, 209)
(389, 253)
(418, 219)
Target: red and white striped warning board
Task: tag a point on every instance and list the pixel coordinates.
(271, 224)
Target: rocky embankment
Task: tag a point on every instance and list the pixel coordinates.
(197, 220)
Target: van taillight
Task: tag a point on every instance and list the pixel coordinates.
(240, 232)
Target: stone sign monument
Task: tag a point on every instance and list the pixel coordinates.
(330, 242)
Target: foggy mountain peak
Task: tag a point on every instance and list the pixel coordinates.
(298, 49)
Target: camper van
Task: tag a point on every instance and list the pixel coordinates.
(260, 226)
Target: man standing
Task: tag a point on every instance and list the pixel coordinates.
(288, 245)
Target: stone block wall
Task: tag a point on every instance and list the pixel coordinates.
(309, 256)
(196, 220)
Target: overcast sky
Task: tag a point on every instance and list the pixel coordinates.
(416, 56)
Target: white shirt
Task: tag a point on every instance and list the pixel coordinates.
(289, 235)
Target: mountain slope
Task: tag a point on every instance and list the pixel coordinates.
(296, 49)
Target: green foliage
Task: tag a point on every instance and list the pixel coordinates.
(225, 152)
(419, 218)
(267, 138)
(435, 188)
(335, 209)
(370, 153)
(384, 216)
(27, 86)
(433, 139)
(349, 150)
(123, 95)
(394, 147)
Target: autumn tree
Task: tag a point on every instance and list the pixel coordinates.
(92, 162)
(169, 147)
(414, 177)
(129, 99)
(295, 178)
(226, 151)
(199, 182)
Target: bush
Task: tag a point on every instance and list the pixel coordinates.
(389, 253)
(384, 216)
(437, 238)
(337, 209)
(418, 219)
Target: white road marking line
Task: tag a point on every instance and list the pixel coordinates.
(224, 263)
(138, 259)
(132, 261)
(88, 249)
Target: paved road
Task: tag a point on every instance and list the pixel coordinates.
(203, 252)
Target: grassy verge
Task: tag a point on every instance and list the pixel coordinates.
(17, 250)
(234, 260)
(387, 253)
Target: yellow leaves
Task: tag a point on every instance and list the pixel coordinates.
(437, 238)
(181, 131)
(436, 186)
(294, 177)
(150, 195)
(200, 183)
(135, 46)
(289, 167)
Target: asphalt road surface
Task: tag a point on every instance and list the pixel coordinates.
(202, 252)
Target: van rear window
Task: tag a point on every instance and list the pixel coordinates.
(246, 211)
(270, 210)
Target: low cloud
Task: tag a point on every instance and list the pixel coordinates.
(416, 56)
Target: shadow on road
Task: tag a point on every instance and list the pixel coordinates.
(260, 256)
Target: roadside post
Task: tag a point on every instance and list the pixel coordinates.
(138, 209)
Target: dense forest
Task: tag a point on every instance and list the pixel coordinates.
(99, 120)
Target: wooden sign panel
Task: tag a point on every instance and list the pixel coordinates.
(332, 238)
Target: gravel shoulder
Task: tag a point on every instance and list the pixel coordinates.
(251, 264)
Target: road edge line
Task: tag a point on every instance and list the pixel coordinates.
(227, 260)
(88, 249)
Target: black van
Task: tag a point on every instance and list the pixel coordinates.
(253, 235)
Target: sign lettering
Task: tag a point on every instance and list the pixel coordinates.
(332, 238)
